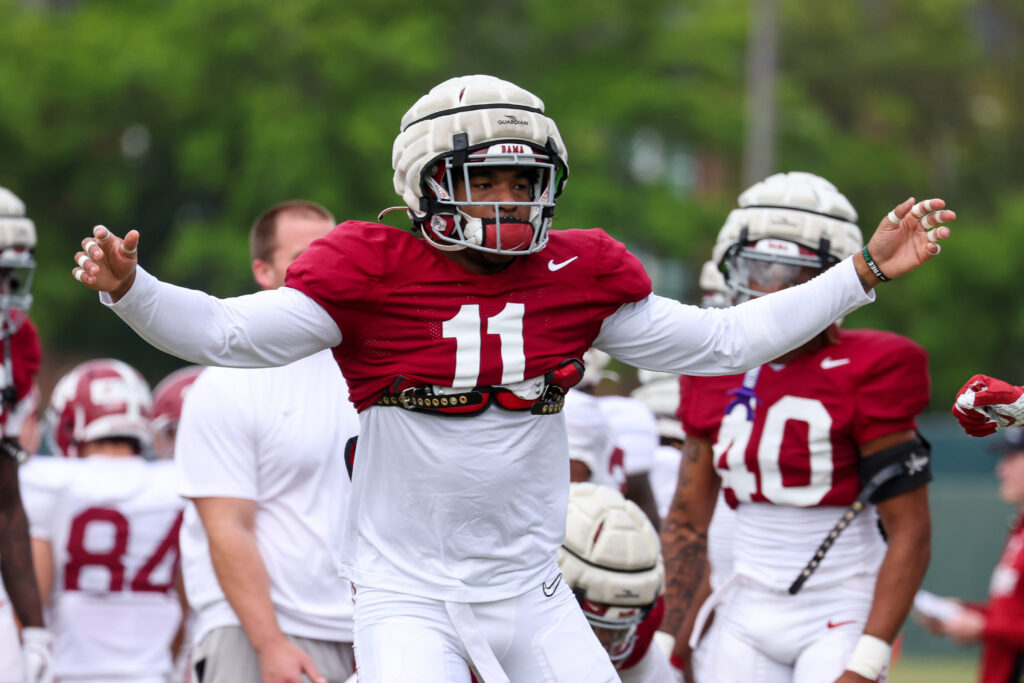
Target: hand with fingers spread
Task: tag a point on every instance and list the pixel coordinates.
(985, 404)
(904, 240)
(106, 262)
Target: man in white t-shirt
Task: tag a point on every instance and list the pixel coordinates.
(458, 341)
(260, 454)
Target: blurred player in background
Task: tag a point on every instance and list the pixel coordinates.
(19, 399)
(260, 453)
(611, 558)
(594, 454)
(997, 624)
(168, 398)
(635, 432)
(104, 525)
(794, 443)
(659, 391)
(458, 342)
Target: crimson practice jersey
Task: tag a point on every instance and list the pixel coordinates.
(381, 286)
(112, 525)
(809, 417)
(786, 445)
(1002, 653)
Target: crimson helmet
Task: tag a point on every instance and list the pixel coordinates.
(99, 399)
(464, 124)
(169, 396)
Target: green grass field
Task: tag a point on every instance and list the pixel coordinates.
(934, 669)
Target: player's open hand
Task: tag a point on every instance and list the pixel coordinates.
(909, 236)
(107, 263)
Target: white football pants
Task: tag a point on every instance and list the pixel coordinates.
(531, 638)
(770, 636)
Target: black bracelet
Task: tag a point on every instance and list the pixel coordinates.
(874, 266)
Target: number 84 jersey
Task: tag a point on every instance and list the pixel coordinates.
(786, 445)
(112, 526)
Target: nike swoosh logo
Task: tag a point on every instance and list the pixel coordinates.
(837, 624)
(828, 363)
(552, 266)
(549, 589)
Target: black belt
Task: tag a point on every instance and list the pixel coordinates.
(423, 399)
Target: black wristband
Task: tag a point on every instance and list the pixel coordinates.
(874, 266)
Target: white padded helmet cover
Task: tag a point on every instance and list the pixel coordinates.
(423, 140)
(799, 207)
(611, 550)
(15, 229)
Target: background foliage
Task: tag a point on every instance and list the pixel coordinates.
(186, 118)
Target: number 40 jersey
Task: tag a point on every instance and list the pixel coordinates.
(112, 524)
(787, 447)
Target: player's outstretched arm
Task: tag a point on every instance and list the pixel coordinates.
(905, 239)
(107, 263)
(265, 329)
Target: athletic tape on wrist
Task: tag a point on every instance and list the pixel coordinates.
(869, 657)
(874, 266)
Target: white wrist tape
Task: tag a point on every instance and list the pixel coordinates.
(869, 657)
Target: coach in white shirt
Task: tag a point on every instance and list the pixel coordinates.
(260, 454)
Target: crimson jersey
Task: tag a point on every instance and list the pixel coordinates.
(405, 309)
(802, 446)
(1002, 653)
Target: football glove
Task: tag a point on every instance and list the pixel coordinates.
(37, 651)
(985, 404)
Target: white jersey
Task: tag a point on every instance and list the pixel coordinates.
(664, 476)
(636, 431)
(112, 524)
(758, 550)
(592, 440)
(485, 525)
(275, 436)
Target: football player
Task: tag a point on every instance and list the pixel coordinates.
(611, 558)
(168, 397)
(19, 362)
(458, 341)
(996, 623)
(104, 525)
(822, 433)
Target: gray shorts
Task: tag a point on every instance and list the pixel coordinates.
(225, 655)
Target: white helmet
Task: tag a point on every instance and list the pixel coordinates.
(595, 364)
(659, 391)
(714, 293)
(17, 240)
(611, 558)
(463, 124)
(791, 221)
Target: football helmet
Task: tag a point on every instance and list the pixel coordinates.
(785, 223)
(714, 292)
(168, 398)
(459, 127)
(17, 265)
(659, 391)
(611, 558)
(98, 399)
